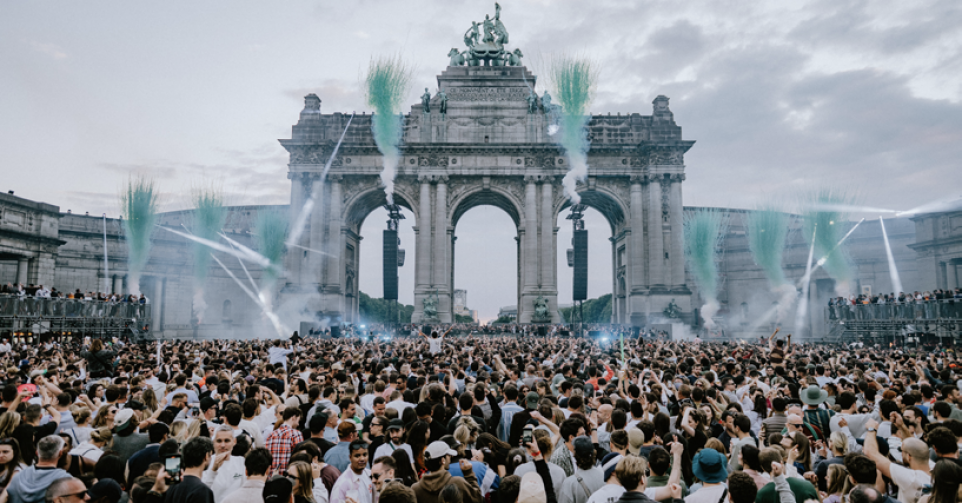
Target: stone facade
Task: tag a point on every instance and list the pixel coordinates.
(938, 242)
(29, 238)
(491, 149)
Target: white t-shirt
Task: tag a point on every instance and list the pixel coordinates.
(910, 482)
(434, 345)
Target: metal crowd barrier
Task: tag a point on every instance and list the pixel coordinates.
(34, 307)
(947, 309)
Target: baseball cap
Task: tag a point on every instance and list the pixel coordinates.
(277, 490)
(123, 418)
(610, 465)
(437, 449)
(636, 437)
(583, 446)
(532, 399)
(106, 488)
(395, 424)
(134, 405)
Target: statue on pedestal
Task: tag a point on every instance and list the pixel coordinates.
(426, 101)
(430, 307)
(672, 311)
(541, 309)
(546, 102)
(485, 42)
(532, 100)
(457, 57)
(443, 103)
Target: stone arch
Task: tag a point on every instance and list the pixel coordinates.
(361, 204)
(605, 201)
(480, 196)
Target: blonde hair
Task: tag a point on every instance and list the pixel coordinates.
(305, 480)
(150, 400)
(178, 431)
(836, 478)
(101, 419)
(80, 414)
(838, 442)
(714, 443)
(8, 422)
(102, 435)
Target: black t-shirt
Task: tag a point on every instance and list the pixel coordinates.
(190, 490)
(28, 435)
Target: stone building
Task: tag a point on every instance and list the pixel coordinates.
(938, 243)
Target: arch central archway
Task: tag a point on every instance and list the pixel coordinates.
(489, 242)
(613, 211)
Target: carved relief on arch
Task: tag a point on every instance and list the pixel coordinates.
(311, 154)
(666, 157)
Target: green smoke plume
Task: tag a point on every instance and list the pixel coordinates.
(574, 82)
(388, 80)
(825, 210)
(207, 220)
(767, 230)
(139, 202)
(270, 234)
(704, 230)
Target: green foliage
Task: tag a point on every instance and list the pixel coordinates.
(374, 310)
(270, 233)
(463, 318)
(388, 80)
(767, 230)
(596, 311)
(504, 319)
(208, 219)
(704, 230)
(824, 213)
(139, 203)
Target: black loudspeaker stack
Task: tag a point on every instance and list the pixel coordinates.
(541, 331)
(390, 265)
(335, 332)
(580, 243)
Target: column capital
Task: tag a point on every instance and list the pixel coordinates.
(335, 178)
(676, 177)
(638, 179)
(539, 178)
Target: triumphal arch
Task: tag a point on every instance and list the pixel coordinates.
(484, 137)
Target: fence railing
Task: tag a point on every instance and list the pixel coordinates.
(947, 309)
(34, 307)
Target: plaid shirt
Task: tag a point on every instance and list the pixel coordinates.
(281, 442)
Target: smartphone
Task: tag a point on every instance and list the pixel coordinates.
(526, 437)
(194, 411)
(172, 467)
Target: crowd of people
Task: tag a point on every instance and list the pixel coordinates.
(41, 292)
(904, 305)
(469, 420)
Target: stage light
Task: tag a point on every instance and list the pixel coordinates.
(604, 339)
(363, 326)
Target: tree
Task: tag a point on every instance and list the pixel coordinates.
(596, 311)
(463, 318)
(375, 310)
(504, 319)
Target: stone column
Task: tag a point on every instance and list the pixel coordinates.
(547, 237)
(656, 258)
(300, 191)
(636, 253)
(423, 251)
(315, 261)
(23, 265)
(441, 240)
(530, 252)
(677, 217)
(334, 245)
(118, 284)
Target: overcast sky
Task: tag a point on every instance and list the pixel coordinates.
(780, 97)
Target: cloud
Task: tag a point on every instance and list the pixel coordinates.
(49, 49)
